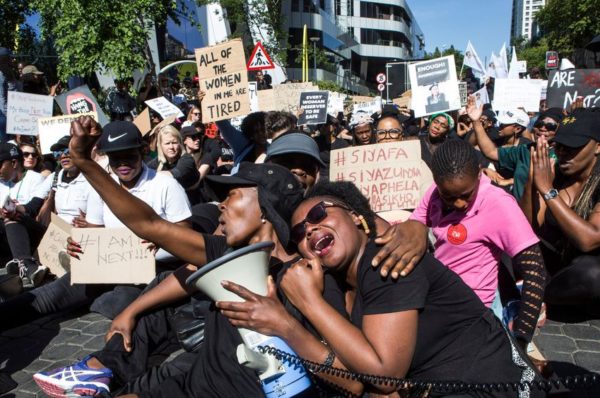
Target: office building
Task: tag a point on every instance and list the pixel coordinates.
(523, 18)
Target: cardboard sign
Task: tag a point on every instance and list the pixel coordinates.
(266, 100)
(370, 107)
(391, 175)
(111, 255)
(223, 77)
(164, 107)
(54, 128)
(335, 104)
(80, 100)
(142, 122)
(511, 94)
(52, 250)
(253, 92)
(565, 86)
(314, 106)
(24, 110)
(434, 86)
(357, 99)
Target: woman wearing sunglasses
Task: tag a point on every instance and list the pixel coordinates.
(32, 159)
(514, 159)
(194, 116)
(256, 206)
(427, 326)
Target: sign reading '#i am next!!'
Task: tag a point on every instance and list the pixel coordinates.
(391, 175)
(223, 77)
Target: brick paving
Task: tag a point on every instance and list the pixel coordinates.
(57, 340)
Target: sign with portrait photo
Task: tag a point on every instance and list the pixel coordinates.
(434, 86)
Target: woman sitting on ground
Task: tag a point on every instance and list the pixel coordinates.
(564, 208)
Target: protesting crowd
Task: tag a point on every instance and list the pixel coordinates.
(452, 291)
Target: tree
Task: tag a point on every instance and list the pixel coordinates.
(533, 52)
(458, 56)
(569, 24)
(12, 14)
(91, 35)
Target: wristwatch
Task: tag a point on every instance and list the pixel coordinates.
(551, 194)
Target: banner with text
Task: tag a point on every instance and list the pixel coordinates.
(54, 128)
(391, 175)
(224, 79)
(434, 86)
(511, 94)
(80, 100)
(564, 86)
(111, 255)
(314, 107)
(23, 111)
(164, 107)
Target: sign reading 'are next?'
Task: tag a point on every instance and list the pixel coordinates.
(224, 80)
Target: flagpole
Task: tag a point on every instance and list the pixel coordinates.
(305, 55)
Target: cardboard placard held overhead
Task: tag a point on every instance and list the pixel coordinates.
(253, 92)
(434, 86)
(23, 111)
(224, 79)
(142, 122)
(111, 255)
(373, 106)
(54, 128)
(52, 250)
(511, 94)
(564, 86)
(391, 175)
(164, 107)
(80, 100)
(314, 106)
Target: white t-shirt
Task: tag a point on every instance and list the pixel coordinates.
(160, 191)
(31, 186)
(71, 197)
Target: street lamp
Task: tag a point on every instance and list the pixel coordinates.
(314, 42)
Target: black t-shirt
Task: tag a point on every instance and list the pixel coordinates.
(184, 170)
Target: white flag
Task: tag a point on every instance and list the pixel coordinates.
(472, 60)
(513, 70)
(491, 67)
(502, 67)
(481, 97)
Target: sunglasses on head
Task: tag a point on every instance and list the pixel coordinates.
(547, 126)
(58, 154)
(30, 154)
(314, 216)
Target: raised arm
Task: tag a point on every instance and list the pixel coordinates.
(182, 242)
(486, 145)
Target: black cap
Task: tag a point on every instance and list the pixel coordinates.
(577, 130)
(490, 114)
(118, 136)
(553, 113)
(188, 131)
(9, 152)
(296, 142)
(279, 192)
(61, 144)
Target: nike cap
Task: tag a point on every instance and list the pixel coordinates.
(120, 135)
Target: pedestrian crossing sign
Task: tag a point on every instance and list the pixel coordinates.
(259, 59)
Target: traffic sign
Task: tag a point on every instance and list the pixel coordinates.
(259, 59)
(381, 79)
(381, 87)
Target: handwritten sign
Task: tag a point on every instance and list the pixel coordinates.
(314, 105)
(511, 94)
(164, 107)
(54, 128)
(370, 107)
(391, 175)
(223, 77)
(434, 86)
(52, 250)
(335, 104)
(111, 255)
(253, 92)
(80, 100)
(23, 111)
(564, 86)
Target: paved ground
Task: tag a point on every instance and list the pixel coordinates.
(572, 347)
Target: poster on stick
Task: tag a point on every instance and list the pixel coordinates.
(23, 111)
(164, 107)
(223, 77)
(434, 86)
(391, 175)
(314, 107)
(80, 100)
(511, 94)
(111, 255)
(370, 107)
(564, 86)
(52, 250)
(54, 128)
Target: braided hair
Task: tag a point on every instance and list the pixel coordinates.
(452, 159)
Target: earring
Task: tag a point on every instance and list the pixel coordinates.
(263, 220)
(364, 224)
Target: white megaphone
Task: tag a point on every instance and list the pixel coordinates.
(249, 267)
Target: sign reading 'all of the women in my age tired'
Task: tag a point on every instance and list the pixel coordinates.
(223, 77)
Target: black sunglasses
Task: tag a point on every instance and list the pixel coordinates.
(314, 216)
(548, 126)
(28, 154)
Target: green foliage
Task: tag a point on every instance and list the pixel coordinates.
(91, 35)
(323, 61)
(458, 56)
(569, 24)
(533, 52)
(330, 86)
(12, 13)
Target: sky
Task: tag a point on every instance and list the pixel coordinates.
(453, 22)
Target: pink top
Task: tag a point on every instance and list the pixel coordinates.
(471, 243)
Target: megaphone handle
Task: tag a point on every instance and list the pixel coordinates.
(266, 365)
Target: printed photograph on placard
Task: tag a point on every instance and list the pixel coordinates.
(434, 86)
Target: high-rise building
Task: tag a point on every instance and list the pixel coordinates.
(523, 15)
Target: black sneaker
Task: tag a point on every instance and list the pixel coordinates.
(36, 272)
(15, 267)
